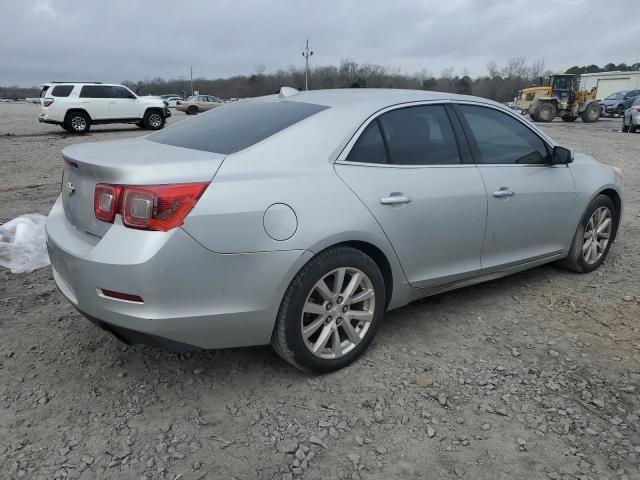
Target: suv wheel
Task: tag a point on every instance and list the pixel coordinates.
(192, 110)
(77, 122)
(331, 311)
(153, 120)
(594, 236)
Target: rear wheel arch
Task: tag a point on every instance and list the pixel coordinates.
(379, 257)
(76, 110)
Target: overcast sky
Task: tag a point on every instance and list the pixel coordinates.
(116, 40)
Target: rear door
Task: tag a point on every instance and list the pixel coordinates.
(531, 203)
(406, 167)
(95, 100)
(122, 103)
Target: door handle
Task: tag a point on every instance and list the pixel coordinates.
(504, 193)
(394, 199)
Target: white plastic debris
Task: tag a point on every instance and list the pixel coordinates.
(23, 246)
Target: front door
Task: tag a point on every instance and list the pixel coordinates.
(123, 103)
(406, 168)
(532, 207)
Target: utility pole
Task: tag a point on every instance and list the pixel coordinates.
(191, 68)
(306, 54)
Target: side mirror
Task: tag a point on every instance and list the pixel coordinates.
(561, 156)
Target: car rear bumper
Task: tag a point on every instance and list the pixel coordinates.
(42, 118)
(191, 296)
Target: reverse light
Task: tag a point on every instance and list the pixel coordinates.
(105, 201)
(147, 207)
(47, 102)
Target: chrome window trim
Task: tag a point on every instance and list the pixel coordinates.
(342, 157)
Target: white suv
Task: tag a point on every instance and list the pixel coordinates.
(77, 105)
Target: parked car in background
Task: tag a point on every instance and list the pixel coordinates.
(299, 219)
(171, 102)
(77, 105)
(169, 95)
(198, 103)
(631, 117)
(618, 102)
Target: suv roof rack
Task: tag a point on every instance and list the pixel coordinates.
(57, 81)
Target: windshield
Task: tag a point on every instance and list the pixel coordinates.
(234, 127)
(616, 96)
(637, 102)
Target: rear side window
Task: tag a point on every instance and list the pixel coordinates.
(370, 146)
(61, 90)
(234, 127)
(496, 138)
(94, 91)
(420, 136)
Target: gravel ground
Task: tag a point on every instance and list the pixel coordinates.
(528, 377)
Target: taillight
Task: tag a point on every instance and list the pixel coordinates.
(105, 201)
(637, 109)
(148, 207)
(47, 102)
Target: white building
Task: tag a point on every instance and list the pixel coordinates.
(609, 82)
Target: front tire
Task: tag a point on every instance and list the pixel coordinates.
(545, 112)
(594, 236)
(591, 113)
(153, 120)
(77, 122)
(330, 311)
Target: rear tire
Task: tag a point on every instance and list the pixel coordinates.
(77, 122)
(192, 110)
(632, 128)
(153, 119)
(591, 113)
(332, 313)
(578, 259)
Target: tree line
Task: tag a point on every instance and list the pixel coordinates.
(499, 82)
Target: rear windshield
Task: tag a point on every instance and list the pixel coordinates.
(61, 90)
(234, 127)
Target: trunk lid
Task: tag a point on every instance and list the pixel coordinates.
(135, 161)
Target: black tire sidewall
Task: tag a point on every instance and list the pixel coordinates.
(302, 285)
(599, 201)
(192, 110)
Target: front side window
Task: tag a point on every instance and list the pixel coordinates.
(234, 127)
(496, 138)
(94, 91)
(61, 90)
(119, 92)
(419, 136)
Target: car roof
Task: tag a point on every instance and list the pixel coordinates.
(377, 98)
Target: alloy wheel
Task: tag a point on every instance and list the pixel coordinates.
(78, 123)
(337, 313)
(154, 120)
(597, 235)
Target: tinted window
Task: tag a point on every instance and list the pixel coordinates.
(94, 91)
(498, 138)
(234, 127)
(61, 90)
(119, 92)
(419, 136)
(370, 147)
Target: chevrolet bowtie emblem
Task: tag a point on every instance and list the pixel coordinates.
(71, 189)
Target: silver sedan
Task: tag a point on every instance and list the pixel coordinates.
(631, 117)
(298, 219)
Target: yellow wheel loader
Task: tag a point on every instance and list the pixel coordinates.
(560, 96)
